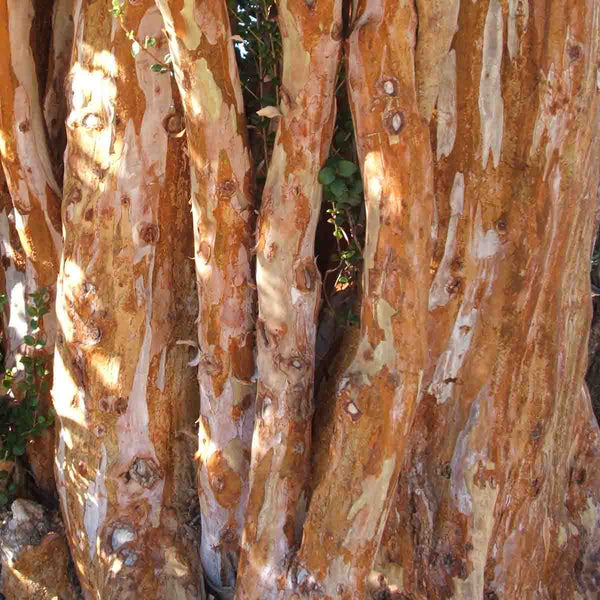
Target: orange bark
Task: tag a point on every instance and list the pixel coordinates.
(377, 393)
(222, 206)
(123, 393)
(498, 497)
(33, 189)
(289, 287)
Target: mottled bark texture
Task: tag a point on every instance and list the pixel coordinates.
(378, 391)
(499, 495)
(33, 188)
(222, 207)
(289, 287)
(122, 392)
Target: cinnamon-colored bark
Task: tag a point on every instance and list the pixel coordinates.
(498, 497)
(377, 393)
(289, 287)
(122, 390)
(34, 191)
(223, 210)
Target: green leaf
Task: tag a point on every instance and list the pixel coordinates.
(19, 448)
(167, 59)
(3, 299)
(3, 499)
(156, 67)
(32, 311)
(340, 137)
(33, 324)
(40, 343)
(338, 188)
(326, 176)
(149, 42)
(346, 168)
(135, 49)
(12, 488)
(30, 340)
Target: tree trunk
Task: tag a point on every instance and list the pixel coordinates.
(499, 495)
(33, 188)
(377, 392)
(289, 288)
(222, 206)
(123, 394)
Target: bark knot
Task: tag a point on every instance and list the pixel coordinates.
(144, 471)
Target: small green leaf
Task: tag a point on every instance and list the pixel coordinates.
(326, 176)
(131, 35)
(156, 67)
(12, 488)
(149, 42)
(19, 448)
(135, 49)
(30, 340)
(3, 299)
(40, 343)
(33, 323)
(168, 59)
(338, 188)
(346, 168)
(3, 499)
(32, 311)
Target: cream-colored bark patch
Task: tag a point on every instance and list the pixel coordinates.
(491, 104)
(374, 494)
(446, 106)
(439, 295)
(207, 98)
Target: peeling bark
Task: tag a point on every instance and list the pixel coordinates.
(289, 287)
(123, 395)
(502, 469)
(222, 207)
(377, 393)
(33, 189)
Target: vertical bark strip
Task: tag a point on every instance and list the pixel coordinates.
(499, 496)
(222, 207)
(33, 188)
(122, 390)
(289, 287)
(378, 392)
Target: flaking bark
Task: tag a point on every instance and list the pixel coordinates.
(34, 191)
(289, 287)
(223, 210)
(123, 395)
(499, 494)
(378, 392)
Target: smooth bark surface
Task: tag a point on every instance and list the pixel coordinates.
(499, 495)
(123, 392)
(289, 288)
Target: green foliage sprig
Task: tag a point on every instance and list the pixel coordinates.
(159, 66)
(20, 418)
